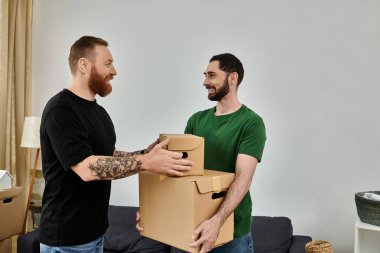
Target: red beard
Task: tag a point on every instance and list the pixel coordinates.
(98, 84)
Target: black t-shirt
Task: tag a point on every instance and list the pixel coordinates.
(73, 211)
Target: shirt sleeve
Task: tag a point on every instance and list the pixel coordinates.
(190, 126)
(68, 137)
(253, 140)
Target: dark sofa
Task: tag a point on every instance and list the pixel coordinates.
(271, 235)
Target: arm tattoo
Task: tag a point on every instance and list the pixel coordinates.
(118, 153)
(108, 168)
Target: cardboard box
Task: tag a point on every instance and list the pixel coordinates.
(172, 208)
(193, 148)
(6, 246)
(11, 212)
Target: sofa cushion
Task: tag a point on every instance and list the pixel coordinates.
(271, 234)
(122, 236)
(298, 243)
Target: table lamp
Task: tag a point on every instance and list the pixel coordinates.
(31, 139)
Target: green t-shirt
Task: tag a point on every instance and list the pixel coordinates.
(226, 136)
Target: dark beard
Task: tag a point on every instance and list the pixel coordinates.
(98, 84)
(219, 94)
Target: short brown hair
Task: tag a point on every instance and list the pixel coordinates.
(83, 48)
(230, 63)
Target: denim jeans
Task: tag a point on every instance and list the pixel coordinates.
(243, 244)
(95, 246)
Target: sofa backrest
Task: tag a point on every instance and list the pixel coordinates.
(271, 234)
(122, 235)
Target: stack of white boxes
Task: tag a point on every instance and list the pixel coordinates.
(172, 208)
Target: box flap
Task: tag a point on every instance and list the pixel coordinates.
(10, 193)
(180, 142)
(213, 181)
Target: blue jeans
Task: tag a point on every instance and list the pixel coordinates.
(95, 246)
(243, 244)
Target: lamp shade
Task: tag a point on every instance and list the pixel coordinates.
(31, 132)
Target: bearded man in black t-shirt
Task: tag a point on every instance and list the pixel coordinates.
(79, 157)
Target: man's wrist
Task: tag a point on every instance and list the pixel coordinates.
(219, 219)
(142, 159)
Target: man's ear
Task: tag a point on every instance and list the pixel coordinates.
(234, 78)
(84, 66)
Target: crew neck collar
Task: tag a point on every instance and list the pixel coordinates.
(75, 96)
(227, 115)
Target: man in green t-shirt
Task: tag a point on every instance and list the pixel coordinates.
(234, 142)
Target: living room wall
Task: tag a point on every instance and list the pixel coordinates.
(312, 73)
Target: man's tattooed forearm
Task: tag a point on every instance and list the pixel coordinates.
(118, 153)
(115, 167)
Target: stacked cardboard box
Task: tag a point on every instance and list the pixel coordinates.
(172, 208)
(192, 148)
(6, 246)
(11, 216)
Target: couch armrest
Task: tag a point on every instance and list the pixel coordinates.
(29, 242)
(298, 243)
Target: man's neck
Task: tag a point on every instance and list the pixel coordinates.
(227, 105)
(80, 88)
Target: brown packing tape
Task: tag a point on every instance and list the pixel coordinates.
(216, 185)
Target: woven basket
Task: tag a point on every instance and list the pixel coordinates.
(318, 246)
(368, 210)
